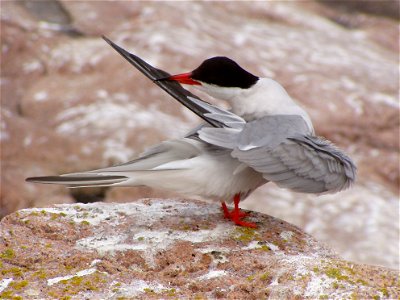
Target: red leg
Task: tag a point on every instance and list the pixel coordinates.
(236, 215)
(240, 214)
(227, 214)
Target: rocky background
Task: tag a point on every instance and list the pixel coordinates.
(71, 103)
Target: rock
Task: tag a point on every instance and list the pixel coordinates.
(389, 9)
(172, 248)
(71, 103)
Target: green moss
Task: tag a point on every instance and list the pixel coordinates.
(349, 270)
(90, 286)
(264, 248)
(17, 272)
(170, 292)
(18, 285)
(140, 238)
(315, 269)
(84, 222)
(68, 267)
(99, 277)
(78, 208)
(336, 274)
(186, 227)
(250, 278)
(76, 280)
(245, 234)
(265, 276)
(34, 213)
(55, 216)
(41, 274)
(5, 271)
(65, 298)
(148, 291)
(7, 254)
(361, 281)
(75, 284)
(6, 295)
(323, 297)
(53, 294)
(384, 292)
(43, 212)
(376, 297)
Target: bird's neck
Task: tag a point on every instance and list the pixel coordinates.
(267, 97)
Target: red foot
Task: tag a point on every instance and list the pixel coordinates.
(236, 215)
(227, 214)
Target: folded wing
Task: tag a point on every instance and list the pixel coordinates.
(283, 149)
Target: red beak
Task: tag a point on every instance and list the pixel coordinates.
(184, 78)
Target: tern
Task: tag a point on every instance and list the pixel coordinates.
(265, 137)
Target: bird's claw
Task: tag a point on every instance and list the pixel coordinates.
(236, 216)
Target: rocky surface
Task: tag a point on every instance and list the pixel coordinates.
(169, 249)
(70, 103)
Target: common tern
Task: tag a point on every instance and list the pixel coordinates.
(266, 136)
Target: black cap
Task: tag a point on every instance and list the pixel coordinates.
(224, 72)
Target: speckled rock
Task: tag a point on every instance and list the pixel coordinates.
(172, 248)
(70, 103)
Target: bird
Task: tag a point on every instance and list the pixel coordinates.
(264, 137)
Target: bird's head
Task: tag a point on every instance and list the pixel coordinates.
(219, 76)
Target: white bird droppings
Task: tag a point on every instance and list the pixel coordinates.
(78, 274)
(4, 283)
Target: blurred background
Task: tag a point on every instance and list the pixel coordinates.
(70, 103)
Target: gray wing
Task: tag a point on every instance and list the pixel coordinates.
(224, 137)
(155, 156)
(282, 148)
(302, 163)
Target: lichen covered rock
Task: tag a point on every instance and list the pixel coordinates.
(172, 248)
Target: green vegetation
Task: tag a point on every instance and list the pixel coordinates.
(7, 254)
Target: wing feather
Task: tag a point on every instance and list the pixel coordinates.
(221, 137)
(172, 88)
(163, 153)
(298, 165)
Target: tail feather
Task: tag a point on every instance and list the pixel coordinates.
(150, 169)
(79, 181)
